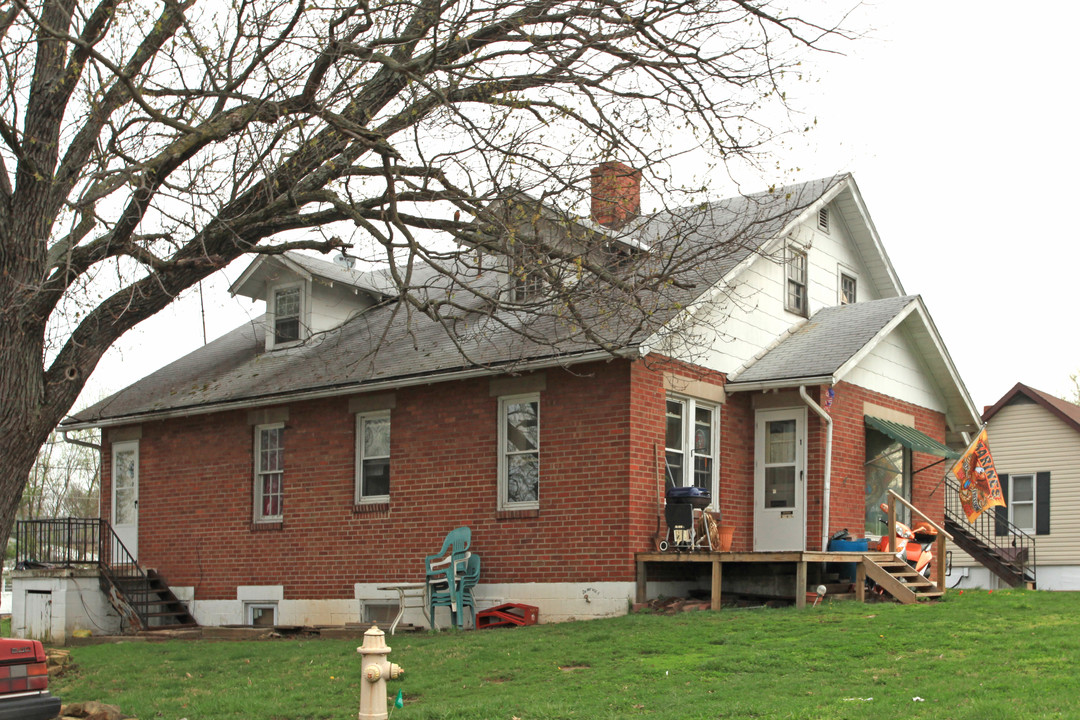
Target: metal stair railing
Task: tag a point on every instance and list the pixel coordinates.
(1010, 545)
(60, 542)
(71, 542)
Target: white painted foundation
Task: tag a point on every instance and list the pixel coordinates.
(49, 605)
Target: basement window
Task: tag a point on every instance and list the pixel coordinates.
(260, 614)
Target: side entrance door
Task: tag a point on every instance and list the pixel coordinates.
(125, 494)
(780, 480)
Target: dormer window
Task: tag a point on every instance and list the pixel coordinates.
(287, 315)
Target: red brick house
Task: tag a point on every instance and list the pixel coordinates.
(289, 469)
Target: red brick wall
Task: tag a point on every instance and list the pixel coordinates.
(602, 454)
(849, 456)
(196, 492)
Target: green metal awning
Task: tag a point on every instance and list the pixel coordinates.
(911, 438)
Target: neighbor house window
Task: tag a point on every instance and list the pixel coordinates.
(373, 457)
(519, 452)
(847, 289)
(287, 315)
(888, 467)
(691, 443)
(1021, 501)
(269, 471)
(796, 299)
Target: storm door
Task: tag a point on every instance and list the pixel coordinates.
(780, 480)
(125, 494)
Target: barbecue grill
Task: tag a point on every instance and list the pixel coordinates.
(679, 513)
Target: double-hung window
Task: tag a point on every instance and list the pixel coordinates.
(692, 438)
(287, 307)
(1021, 502)
(269, 471)
(795, 271)
(373, 457)
(848, 285)
(519, 452)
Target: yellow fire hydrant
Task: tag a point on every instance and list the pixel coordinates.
(376, 670)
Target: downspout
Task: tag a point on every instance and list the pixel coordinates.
(828, 464)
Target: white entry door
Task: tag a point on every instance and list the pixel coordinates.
(125, 494)
(780, 480)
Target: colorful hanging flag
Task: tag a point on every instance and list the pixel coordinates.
(979, 485)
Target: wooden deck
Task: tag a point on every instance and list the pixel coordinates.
(799, 560)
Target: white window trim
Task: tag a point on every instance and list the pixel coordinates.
(271, 315)
(358, 497)
(841, 271)
(690, 405)
(257, 496)
(1033, 502)
(503, 503)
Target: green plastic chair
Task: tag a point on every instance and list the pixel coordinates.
(444, 569)
(460, 597)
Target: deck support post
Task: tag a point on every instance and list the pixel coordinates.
(642, 579)
(717, 578)
(800, 584)
(860, 581)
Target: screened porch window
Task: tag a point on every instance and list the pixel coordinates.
(888, 467)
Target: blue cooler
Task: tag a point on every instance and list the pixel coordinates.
(847, 570)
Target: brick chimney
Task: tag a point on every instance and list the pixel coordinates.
(616, 194)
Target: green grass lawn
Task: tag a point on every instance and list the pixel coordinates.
(1005, 654)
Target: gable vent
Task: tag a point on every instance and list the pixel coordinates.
(823, 219)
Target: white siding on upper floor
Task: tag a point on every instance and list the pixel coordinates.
(893, 368)
(749, 316)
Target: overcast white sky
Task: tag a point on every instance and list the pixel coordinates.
(958, 121)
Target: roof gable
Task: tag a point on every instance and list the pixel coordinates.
(826, 348)
(1063, 409)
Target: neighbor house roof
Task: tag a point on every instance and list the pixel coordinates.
(390, 345)
(1063, 409)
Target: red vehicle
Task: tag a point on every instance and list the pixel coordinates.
(24, 682)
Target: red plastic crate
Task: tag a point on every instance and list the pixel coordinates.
(507, 614)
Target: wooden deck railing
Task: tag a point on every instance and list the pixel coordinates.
(939, 543)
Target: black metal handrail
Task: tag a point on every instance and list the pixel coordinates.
(71, 542)
(1011, 545)
(58, 542)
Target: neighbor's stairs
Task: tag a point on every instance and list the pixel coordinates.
(1009, 566)
(147, 602)
(899, 579)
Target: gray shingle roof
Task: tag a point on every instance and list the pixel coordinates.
(825, 342)
(388, 342)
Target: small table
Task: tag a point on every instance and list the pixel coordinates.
(406, 592)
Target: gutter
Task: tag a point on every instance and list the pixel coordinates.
(252, 403)
(767, 385)
(827, 491)
(76, 441)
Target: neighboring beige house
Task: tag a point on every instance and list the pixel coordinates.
(1035, 441)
